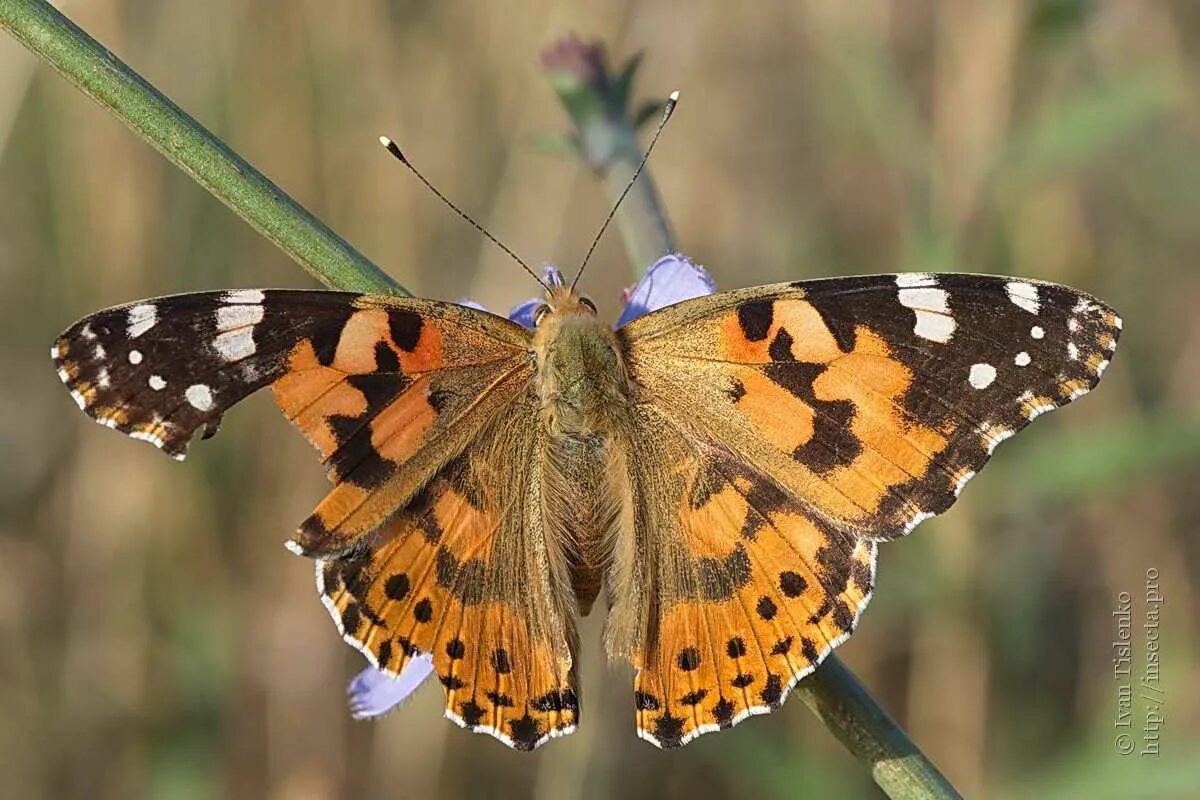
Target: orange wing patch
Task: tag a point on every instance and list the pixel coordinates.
(377, 397)
(334, 387)
(787, 592)
(859, 443)
(827, 418)
(426, 582)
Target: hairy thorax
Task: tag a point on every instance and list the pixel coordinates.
(585, 394)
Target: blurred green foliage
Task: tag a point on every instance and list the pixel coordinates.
(156, 641)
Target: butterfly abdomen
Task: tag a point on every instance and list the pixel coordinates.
(581, 502)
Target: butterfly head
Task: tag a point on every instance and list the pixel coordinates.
(561, 300)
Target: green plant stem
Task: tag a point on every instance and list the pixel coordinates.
(901, 770)
(187, 144)
(605, 138)
(832, 691)
(642, 220)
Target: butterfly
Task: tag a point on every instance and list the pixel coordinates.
(722, 469)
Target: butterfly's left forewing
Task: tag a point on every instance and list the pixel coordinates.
(801, 423)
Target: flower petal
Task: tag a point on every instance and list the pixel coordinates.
(523, 313)
(672, 279)
(373, 692)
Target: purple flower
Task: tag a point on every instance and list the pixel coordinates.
(672, 279)
(374, 692)
(585, 62)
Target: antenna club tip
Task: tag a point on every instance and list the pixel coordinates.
(674, 96)
(392, 148)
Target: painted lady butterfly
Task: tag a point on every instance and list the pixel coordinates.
(723, 468)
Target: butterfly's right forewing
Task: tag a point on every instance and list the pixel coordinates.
(873, 399)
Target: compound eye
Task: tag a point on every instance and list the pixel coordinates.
(586, 301)
(540, 313)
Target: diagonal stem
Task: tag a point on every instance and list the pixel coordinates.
(897, 766)
(187, 144)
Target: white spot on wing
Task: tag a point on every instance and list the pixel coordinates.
(1024, 295)
(238, 316)
(55, 352)
(135, 357)
(1101, 366)
(982, 375)
(1116, 322)
(141, 319)
(245, 296)
(935, 327)
(1072, 351)
(1073, 325)
(930, 304)
(157, 383)
(236, 344)
(200, 396)
(1037, 332)
(98, 352)
(910, 279)
(102, 379)
(1022, 359)
(926, 298)
(87, 333)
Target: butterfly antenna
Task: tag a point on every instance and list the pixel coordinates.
(668, 109)
(396, 151)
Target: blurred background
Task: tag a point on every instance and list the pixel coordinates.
(156, 640)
